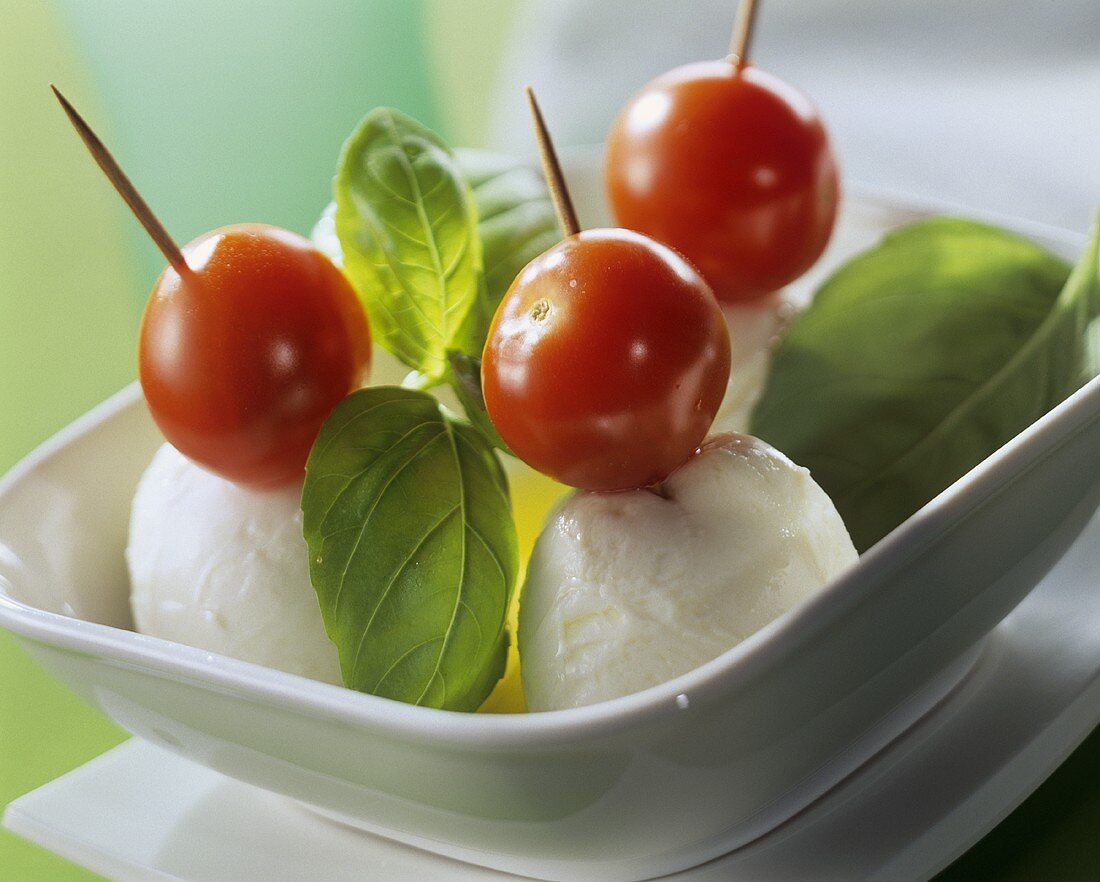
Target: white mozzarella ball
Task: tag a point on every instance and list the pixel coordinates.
(225, 569)
(628, 590)
(755, 328)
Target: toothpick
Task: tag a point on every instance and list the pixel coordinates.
(122, 184)
(551, 168)
(741, 39)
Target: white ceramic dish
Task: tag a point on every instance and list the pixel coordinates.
(630, 789)
(140, 814)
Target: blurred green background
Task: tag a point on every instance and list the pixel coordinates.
(225, 112)
(220, 112)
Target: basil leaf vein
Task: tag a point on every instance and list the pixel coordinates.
(515, 223)
(407, 229)
(921, 357)
(412, 549)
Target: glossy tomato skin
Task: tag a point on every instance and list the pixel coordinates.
(243, 356)
(730, 167)
(606, 361)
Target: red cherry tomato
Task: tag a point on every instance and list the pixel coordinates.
(606, 361)
(730, 167)
(243, 356)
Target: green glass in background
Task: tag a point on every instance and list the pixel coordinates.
(465, 39)
(67, 324)
(220, 113)
(231, 112)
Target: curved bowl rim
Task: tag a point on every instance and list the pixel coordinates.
(723, 674)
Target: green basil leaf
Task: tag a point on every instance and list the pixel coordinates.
(920, 358)
(516, 223)
(465, 379)
(408, 233)
(515, 218)
(412, 549)
(1087, 275)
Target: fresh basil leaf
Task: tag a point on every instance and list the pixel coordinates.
(516, 223)
(920, 358)
(466, 381)
(1087, 275)
(408, 233)
(412, 549)
(515, 217)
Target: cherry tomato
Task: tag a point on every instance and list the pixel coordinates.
(730, 167)
(243, 356)
(606, 361)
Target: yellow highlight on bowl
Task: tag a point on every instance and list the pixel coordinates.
(533, 497)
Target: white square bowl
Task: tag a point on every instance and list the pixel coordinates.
(625, 790)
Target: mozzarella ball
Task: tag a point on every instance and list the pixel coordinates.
(755, 328)
(225, 569)
(628, 590)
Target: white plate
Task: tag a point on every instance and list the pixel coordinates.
(642, 786)
(140, 813)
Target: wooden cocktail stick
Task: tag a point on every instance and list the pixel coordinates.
(551, 168)
(741, 40)
(125, 188)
